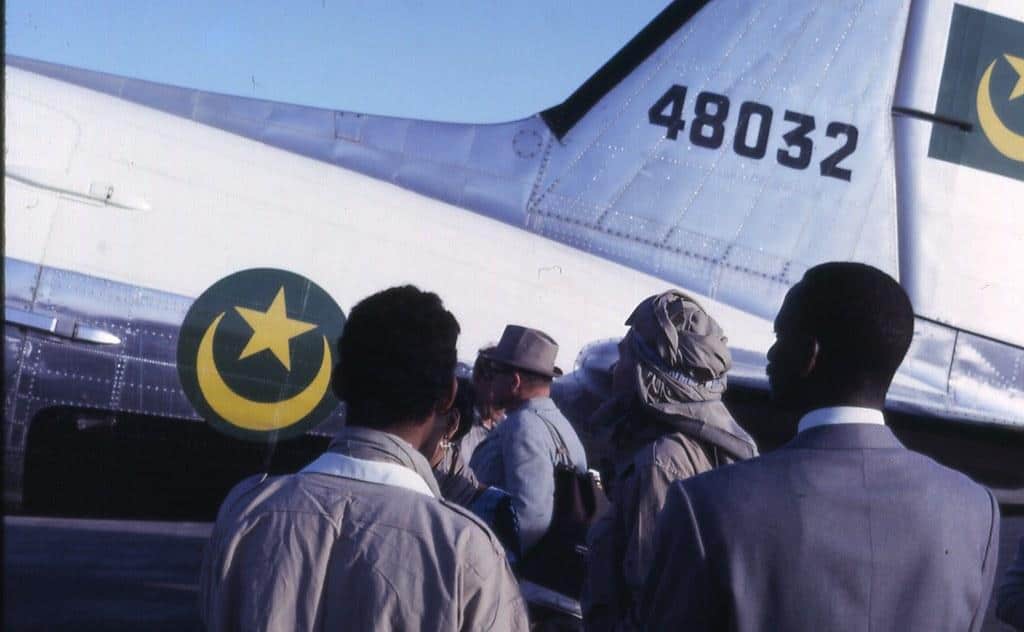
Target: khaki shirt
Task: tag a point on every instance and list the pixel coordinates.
(313, 551)
(621, 542)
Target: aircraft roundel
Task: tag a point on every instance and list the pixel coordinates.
(1006, 141)
(982, 84)
(255, 354)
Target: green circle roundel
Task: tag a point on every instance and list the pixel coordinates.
(255, 354)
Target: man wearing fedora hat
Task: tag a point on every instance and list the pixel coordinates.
(520, 455)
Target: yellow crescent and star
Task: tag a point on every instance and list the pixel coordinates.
(1006, 141)
(271, 330)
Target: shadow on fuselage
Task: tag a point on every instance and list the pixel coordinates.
(82, 463)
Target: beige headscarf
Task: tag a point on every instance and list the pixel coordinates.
(679, 351)
(680, 357)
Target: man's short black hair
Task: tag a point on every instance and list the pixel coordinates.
(396, 357)
(860, 316)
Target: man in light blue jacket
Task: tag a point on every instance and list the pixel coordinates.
(520, 455)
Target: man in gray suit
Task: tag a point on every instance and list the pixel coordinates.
(843, 528)
(1010, 599)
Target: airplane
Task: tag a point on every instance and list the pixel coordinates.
(727, 148)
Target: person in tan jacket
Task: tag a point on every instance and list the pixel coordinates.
(664, 422)
(361, 539)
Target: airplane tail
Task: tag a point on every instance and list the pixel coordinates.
(732, 145)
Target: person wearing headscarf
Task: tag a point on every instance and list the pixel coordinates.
(665, 421)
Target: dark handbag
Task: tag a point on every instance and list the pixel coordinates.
(558, 560)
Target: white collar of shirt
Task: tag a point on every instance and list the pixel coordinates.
(381, 472)
(835, 415)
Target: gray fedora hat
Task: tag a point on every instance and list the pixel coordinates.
(528, 349)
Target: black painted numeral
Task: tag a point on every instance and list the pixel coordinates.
(713, 121)
(830, 165)
(673, 121)
(708, 130)
(797, 137)
(764, 124)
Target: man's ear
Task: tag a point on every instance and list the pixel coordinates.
(517, 381)
(811, 356)
(445, 403)
(454, 419)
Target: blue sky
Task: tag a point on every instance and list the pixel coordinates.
(482, 61)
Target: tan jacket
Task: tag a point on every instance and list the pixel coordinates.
(314, 551)
(621, 541)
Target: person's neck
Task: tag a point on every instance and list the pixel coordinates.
(412, 432)
(523, 400)
(526, 394)
(832, 400)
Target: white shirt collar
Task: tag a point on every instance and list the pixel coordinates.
(835, 415)
(379, 472)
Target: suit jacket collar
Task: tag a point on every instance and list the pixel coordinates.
(845, 437)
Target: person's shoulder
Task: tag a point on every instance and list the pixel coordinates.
(463, 518)
(539, 412)
(258, 496)
(547, 406)
(316, 495)
(247, 485)
(954, 483)
(471, 533)
(434, 520)
(252, 490)
(674, 453)
(515, 418)
(736, 482)
(523, 421)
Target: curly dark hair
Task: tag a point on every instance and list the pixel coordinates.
(396, 357)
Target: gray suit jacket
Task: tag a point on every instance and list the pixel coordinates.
(841, 529)
(1010, 600)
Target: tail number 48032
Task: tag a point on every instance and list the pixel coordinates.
(753, 130)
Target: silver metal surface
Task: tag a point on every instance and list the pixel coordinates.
(102, 192)
(59, 327)
(94, 335)
(22, 318)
